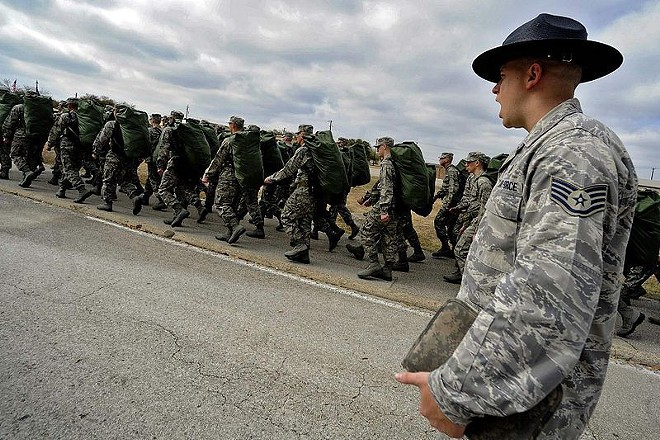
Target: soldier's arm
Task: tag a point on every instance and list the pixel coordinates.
(290, 167)
(453, 186)
(220, 158)
(387, 179)
(55, 133)
(101, 142)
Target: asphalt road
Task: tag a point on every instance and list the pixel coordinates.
(111, 332)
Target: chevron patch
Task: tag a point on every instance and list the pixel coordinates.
(576, 201)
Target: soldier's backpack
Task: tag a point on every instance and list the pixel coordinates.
(248, 164)
(494, 165)
(196, 150)
(134, 128)
(90, 122)
(38, 116)
(211, 137)
(270, 152)
(644, 242)
(360, 171)
(330, 174)
(416, 181)
(7, 101)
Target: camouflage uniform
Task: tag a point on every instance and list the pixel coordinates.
(299, 208)
(482, 188)
(450, 194)
(116, 167)
(13, 130)
(375, 234)
(153, 178)
(228, 191)
(65, 133)
(544, 273)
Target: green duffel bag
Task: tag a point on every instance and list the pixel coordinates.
(248, 164)
(211, 137)
(360, 171)
(90, 121)
(416, 181)
(270, 153)
(38, 116)
(196, 150)
(7, 101)
(134, 126)
(494, 165)
(330, 174)
(644, 242)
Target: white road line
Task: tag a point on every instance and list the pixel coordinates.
(339, 290)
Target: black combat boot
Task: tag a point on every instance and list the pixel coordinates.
(444, 252)
(355, 230)
(54, 179)
(225, 236)
(83, 194)
(105, 206)
(356, 249)
(180, 214)
(333, 237)
(454, 277)
(402, 264)
(258, 232)
(202, 213)
(4, 174)
(236, 234)
(375, 270)
(145, 199)
(300, 254)
(137, 204)
(315, 233)
(417, 255)
(159, 206)
(28, 178)
(61, 193)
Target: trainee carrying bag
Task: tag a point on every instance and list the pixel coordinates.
(90, 121)
(416, 181)
(248, 164)
(38, 116)
(437, 343)
(134, 127)
(330, 173)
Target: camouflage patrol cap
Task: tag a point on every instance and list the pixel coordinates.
(177, 115)
(253, 127)
(72, 100)
(156, 117)
(388, 141)
(288, 135)
(239, 122)
(474, 156)
(446, 155)
(305, 129)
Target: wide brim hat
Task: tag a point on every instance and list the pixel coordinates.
(553, 37)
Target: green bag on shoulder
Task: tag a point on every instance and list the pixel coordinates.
(38, 116)
(134, 126)
(211, 137)
(248, 164)
(7, 101)
(416, 180)
(330, 175)
(360, 171)
(90, 121)
(270, 153)
(196, 149)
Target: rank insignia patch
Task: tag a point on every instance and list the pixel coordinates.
(576, 201)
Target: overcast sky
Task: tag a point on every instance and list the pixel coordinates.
(373, 68)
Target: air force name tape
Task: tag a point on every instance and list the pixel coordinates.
(576, 201)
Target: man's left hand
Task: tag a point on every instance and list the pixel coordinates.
(428, 407)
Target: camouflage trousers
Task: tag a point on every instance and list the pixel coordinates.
(249, 203)
(116, 171)
(176, 188)
(297, 216)
(58, 169)
(444, 226)
(463, 245)
(71, 162)
(269, 202)
(228, 195)
(5, 158)
(340, 209)
(632, 288)
(406, 231)
(21, 153)
(153, 179)
(376, 235)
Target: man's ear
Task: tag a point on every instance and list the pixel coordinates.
(534, 74)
